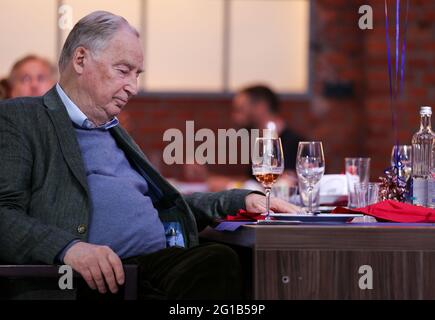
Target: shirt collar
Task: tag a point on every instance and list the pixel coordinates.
(78, 117)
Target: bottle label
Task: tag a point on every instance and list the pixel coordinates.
(419, 191)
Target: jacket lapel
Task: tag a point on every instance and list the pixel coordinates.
(135, 154)
(66, 135)
(170, 195)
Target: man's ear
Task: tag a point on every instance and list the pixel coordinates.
(79, 59)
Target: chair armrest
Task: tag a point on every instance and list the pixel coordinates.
(52, 271)
(131, 281)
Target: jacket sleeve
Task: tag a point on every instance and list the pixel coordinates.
(23, 238)
(210, 206)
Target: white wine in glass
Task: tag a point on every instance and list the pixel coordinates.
(267, 164)
(266, 179)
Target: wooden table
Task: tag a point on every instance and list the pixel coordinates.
(324, 261)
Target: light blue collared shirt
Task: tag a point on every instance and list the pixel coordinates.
(78, 117)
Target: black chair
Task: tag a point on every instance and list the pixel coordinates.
(52, 271)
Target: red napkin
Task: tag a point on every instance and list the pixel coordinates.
(395, 211)
(243, 215)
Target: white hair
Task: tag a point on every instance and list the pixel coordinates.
(92, 32)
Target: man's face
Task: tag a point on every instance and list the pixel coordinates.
(241, 111)
(110, 76)
(33, 78)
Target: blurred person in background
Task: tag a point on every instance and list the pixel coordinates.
(31, 76)
(257, 107)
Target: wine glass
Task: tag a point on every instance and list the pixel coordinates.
(267, 164)
(403, 154)
(310, 167)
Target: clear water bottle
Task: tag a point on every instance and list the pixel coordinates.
(422, 143)
(431, 181)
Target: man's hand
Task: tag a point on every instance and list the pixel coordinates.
(256, 203)
(98, 265)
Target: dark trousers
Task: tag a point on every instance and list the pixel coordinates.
(207, 271)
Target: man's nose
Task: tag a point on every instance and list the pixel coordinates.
(34, 82)
(131, 87)
(34, 86)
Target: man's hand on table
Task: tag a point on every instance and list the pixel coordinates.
(256, 203)
(98, 265)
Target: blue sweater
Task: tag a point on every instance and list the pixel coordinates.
(122, 216)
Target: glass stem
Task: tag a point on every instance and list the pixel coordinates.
(267, 203)
(310, 199)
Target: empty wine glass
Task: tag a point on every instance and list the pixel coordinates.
(310, 167)
(267, 164)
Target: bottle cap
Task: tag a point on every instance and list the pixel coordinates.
(425, 110)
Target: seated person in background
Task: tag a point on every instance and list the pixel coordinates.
(255, 107)
(76, 189)
(31, 76)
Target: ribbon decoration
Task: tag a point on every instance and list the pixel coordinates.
(396, 87)
(393, 185)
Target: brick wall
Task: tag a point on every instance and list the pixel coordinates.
(355, 125)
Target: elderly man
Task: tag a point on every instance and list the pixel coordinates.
(76, 189)
(31, 76)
